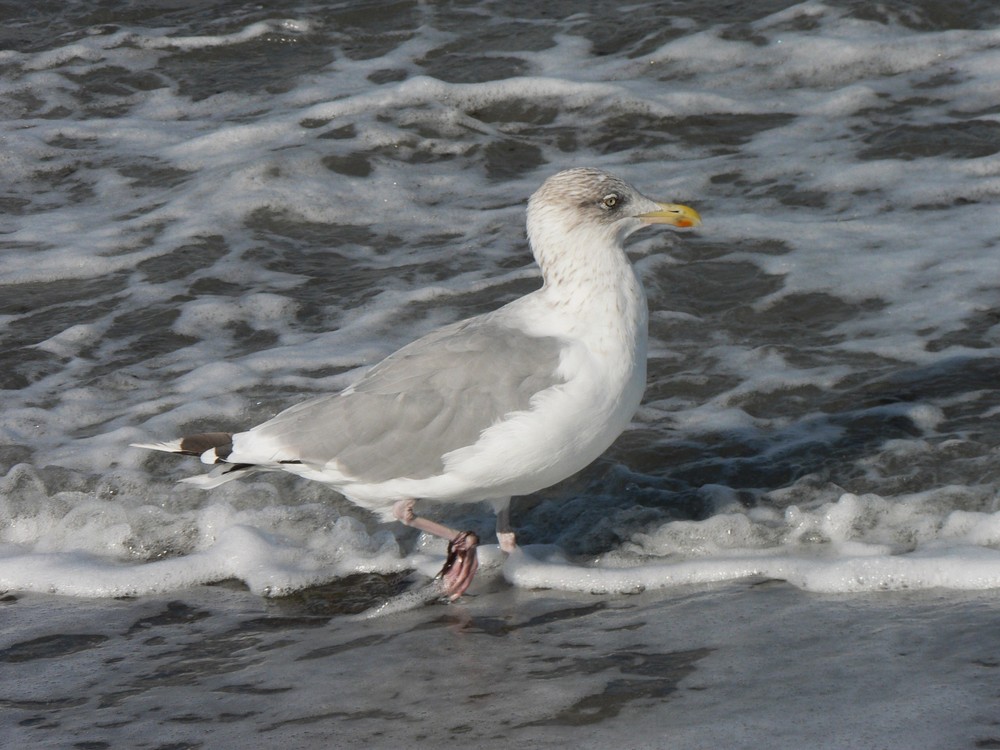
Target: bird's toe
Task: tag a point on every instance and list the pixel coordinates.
(461, 566)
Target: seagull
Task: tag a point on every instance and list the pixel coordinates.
(500, 404)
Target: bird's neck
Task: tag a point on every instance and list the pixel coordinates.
(589, 280)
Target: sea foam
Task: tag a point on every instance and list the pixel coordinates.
(180, 258)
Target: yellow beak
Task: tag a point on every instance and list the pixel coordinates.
(673, 214)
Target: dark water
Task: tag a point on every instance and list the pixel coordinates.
(210, 211)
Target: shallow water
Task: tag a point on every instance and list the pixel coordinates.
(728, 667)
(208, 214)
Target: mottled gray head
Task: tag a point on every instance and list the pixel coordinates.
(596, 203)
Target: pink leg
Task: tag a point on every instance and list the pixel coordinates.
(508, 543)
(462, 562)
(505, 534)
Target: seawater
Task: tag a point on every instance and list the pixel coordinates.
(194, 241)
(208, 214)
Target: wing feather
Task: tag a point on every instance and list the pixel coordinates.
(431, 397)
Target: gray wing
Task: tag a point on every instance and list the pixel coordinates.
(431, 397)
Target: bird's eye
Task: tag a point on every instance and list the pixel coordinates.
(609, 201)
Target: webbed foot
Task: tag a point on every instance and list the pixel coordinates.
(461, 566)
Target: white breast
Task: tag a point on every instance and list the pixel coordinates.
(567, 426)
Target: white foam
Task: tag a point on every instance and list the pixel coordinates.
(81, 544)
(855, 544)
(909, 243)
(248, 33)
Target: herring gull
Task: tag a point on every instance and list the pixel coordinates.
(505, 403)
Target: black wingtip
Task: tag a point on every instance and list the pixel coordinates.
(196, 445)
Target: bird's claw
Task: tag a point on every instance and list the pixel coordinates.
(461, 565)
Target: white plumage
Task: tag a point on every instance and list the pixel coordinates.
(501, 404)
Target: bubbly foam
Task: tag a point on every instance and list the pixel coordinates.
(856, 544)
(823, 351)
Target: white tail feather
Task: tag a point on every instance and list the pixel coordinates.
(217, 476)
(174, 446)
